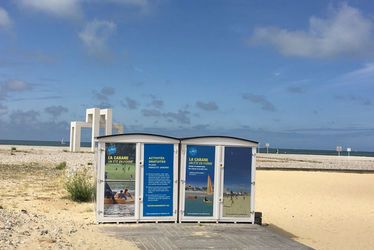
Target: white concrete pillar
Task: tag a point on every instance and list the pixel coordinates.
(90, 114)
(74, 137)
(77, 144)
(108, 121)
(71, 141)
(95, 127)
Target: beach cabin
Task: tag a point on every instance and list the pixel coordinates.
(137, 178)
(217, 179)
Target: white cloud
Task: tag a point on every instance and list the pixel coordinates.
(142, 5)
(10, 86)
(3, 109)
(5, 21)
(96, 34)
(345, 32)
(58, 8)
(362, 76)
(366, 71)
(139, 6)
(73, 8)
(138, 3)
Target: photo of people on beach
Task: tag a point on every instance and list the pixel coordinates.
(237, 182)
(199, 181)
(119, 193)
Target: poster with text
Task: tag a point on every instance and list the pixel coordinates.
(119, 192)
(237, 182)
(158, 179)
(199, 188)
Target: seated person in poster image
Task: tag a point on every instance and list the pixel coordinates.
(123, 194)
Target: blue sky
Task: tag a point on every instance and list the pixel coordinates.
(296, 74)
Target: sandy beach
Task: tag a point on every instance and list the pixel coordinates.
(315, 162)
(324, 210)
(36, 212)
(320, 209)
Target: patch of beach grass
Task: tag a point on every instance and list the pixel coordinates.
(80, 186)
(61, 165)
(13, 151)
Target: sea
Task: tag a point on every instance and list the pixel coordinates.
(261, 150)
(314, 152)
(41, 143)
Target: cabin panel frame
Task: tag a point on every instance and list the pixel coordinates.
(139, 139)
(220, 142)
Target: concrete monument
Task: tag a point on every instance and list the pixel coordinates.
(95, 118)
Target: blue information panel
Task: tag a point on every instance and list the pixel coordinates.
(237, 182)
(158, 180)
(199, 180)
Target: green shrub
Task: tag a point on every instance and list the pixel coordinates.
(13, 149)
(80, 186)
(61, 165)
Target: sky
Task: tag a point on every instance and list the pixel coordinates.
(294, 74)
